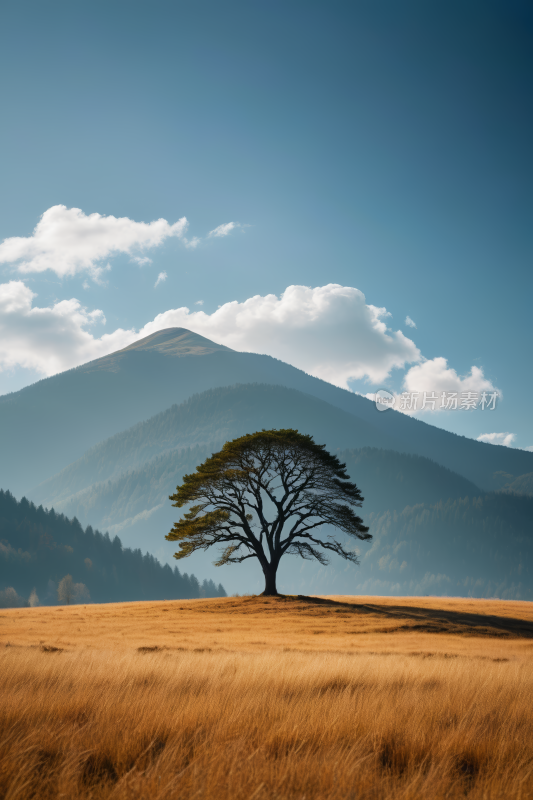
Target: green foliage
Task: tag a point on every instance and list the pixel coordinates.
(265, 495)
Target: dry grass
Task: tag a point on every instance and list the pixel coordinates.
(264, 698)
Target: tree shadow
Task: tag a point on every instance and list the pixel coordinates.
(430, 620)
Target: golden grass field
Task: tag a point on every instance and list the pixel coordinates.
(344, 697)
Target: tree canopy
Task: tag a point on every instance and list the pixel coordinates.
(266, 495)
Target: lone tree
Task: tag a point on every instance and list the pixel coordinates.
(266, 495)
(65, 591)
(69, 592)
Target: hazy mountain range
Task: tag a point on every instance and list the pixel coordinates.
(108, 442)
(46, 426)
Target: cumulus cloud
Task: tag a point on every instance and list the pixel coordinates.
(67, 241)
(506, 439)
(433, 387)
(161, 278)
(50, 340)
(224, 230)
(434, 375)
(329, 331)
(409, 322)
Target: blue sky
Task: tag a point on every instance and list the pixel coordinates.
(383, 146)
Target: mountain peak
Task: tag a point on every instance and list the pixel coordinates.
(175, 342)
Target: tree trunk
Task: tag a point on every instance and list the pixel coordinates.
(270, 580)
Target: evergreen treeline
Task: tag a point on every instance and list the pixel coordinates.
(38, 548)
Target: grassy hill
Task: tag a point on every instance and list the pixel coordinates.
(258, 698)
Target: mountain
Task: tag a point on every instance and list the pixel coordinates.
(49, 425)
(107, 443)
(126, 504)
(434, 531)
(38, 548)
(212, 417)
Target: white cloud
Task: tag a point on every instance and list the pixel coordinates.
(529, 448)
(224, 230)
(409, 322)
(50, 340)
(433, 378)
(329, 331)
(161, 278)
(191, 243)
(67, 241)
(199, 303)
(434, 375)
(505, 439)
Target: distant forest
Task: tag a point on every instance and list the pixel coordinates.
(469, 547)
(38, 548)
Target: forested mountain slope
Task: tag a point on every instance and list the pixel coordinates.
(473, 546)
(521, 485)
(47, 426)
(38, 548)
(467, 547)
(212, 417)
